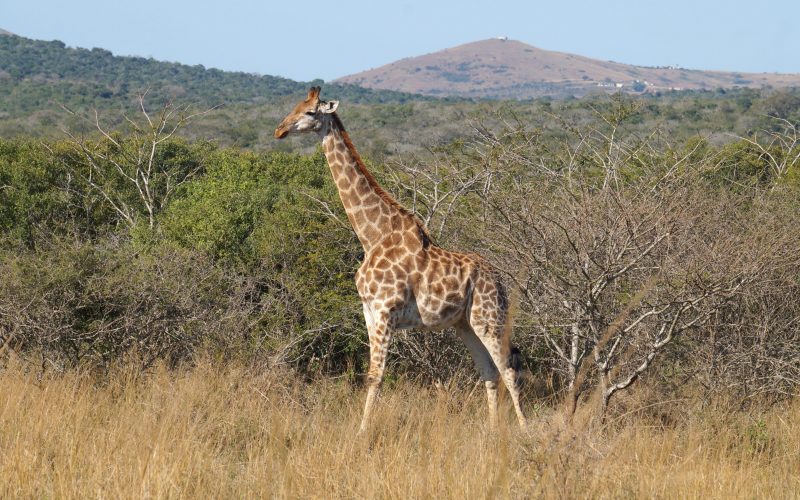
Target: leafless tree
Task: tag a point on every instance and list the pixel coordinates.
(119, 164)
(437, 186)
(780, 146)
(616, 249)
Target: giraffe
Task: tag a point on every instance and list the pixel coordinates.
(406, 281)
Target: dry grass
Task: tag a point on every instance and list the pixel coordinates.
(223, 432)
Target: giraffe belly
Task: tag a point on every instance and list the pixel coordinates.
(407, 317)
(423, 315)
(413, 315)
(437, 317)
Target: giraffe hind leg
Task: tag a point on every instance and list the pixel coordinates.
(485, 366)
(500, 351)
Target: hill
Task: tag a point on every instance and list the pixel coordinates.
(34, 75)
(502, 68)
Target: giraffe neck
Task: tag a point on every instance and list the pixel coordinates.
(372, 212)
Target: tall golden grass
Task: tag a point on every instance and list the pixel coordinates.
(225, 431)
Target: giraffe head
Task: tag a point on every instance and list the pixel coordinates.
(308, 116)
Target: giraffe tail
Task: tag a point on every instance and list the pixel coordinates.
(515, 359)
(517, 363)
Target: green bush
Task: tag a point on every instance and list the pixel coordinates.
(35, 189)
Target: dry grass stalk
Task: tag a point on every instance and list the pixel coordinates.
(217, 431)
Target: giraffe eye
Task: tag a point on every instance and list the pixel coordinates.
(311, 113)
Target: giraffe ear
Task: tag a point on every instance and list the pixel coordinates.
(328, 107)
(313, 93)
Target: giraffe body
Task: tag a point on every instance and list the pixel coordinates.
(406, 281)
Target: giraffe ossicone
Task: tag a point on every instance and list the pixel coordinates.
(406, 281)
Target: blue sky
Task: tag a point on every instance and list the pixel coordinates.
(310, 39)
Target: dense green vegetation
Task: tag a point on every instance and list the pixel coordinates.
(240, 242)
(248, 255)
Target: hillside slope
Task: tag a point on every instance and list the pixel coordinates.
(34, 75)
(502, 68)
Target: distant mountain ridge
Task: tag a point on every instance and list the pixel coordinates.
(503, 68)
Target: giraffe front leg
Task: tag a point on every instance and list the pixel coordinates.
(491, 398)
(379, 336)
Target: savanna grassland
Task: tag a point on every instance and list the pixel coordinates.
(178, 316)
(225, 431)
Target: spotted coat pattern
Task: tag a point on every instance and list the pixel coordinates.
(406, 281)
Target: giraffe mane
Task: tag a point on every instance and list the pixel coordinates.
(373, 182)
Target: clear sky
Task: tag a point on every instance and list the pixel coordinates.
(311, 39)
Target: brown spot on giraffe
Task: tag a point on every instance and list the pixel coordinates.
(393, 252)
(372, 213)
(362, 188)
(406, 281)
